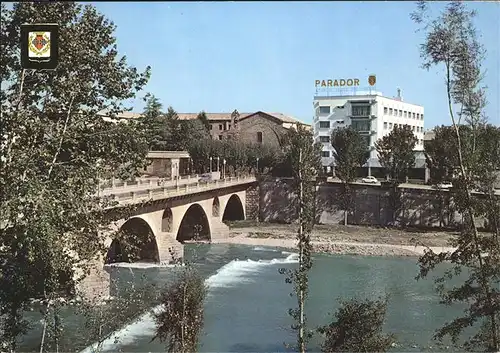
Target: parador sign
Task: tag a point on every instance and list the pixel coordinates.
(343, 82)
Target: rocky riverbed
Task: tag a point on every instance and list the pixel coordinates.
(336, 239)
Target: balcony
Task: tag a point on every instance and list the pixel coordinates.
(369, 117)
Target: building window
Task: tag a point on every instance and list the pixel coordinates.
(385, 126)
(220, 126)
(325, 110)
(413, 128)
(390, 125)
(367, 140)
(259, 137)
(361, 125)
(385, 110)
(390, 111)
(211, 126)
(360, 110)
(400, 113)
(340, 121)
(325, 153)
(220, 137)
(413, 115)
(324, 139)
(405, 114)
(422, 116)
(418, 116)
(324, 124)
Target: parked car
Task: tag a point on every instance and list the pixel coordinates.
(205, 178)
(370, 180)
(444, 185)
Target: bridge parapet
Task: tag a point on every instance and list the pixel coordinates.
(127, 196)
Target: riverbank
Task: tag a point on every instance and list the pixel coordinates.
(347, 240)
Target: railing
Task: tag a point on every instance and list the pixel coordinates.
(144, 182)
(162, 192)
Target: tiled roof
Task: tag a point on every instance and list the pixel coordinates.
(210, 116)
(214, 116)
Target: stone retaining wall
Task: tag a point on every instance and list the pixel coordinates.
(372, 206)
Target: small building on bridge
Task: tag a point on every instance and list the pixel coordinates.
(168, 164)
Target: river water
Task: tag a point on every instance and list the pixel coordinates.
(248, 300)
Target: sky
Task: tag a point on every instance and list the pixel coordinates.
(250, 56)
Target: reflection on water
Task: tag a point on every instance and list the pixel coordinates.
(247, 304)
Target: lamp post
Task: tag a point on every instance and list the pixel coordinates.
(176, 166)
(218, 169)
(210, 168)
(224, 168)
(257, 165)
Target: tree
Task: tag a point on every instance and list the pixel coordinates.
(350, 152)
(180, 321)
(55, 149)
(358, 328)
(190, 131)
(451, 42)
(102, 320)
(395, 153)
(304, 156)
(440, 156)
(202, 117)
(155, 124)
(173, 130)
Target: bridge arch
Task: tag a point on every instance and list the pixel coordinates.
(234, 209)
(166, 220)
(216, 207)
(194, 225)
(135, 242)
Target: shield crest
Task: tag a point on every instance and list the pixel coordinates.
(372, 79)
(39, 45)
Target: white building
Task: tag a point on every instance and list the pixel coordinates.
(373, 115)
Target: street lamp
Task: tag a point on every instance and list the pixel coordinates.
(218, 169)
(257, 165)
(224, 168)
(210, 165)
(176, 174)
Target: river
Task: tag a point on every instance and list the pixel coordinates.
(247, 304)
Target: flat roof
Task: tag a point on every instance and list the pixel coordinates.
(364, 96)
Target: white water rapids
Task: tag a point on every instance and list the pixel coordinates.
(232, 273)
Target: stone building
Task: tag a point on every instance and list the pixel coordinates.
(258, 127)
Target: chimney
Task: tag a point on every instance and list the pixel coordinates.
(399, 95)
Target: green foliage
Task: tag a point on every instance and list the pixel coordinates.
(202, 117)
(103, 318)
(358, 328)
(451, 41)
(239, 156)
(55, 149)
(155, 124)
(304, 158)
(350, 152)
(180, 321)
(480, 152)
(395, 153)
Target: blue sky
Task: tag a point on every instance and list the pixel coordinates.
(266, 56)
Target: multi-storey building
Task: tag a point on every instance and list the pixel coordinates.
(373, 115)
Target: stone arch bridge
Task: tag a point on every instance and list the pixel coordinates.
(157, 229)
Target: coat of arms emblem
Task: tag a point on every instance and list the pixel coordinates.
(372, 79)
(39, 45)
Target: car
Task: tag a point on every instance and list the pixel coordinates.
(445, 185)
(370, 180)
(205, 178)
